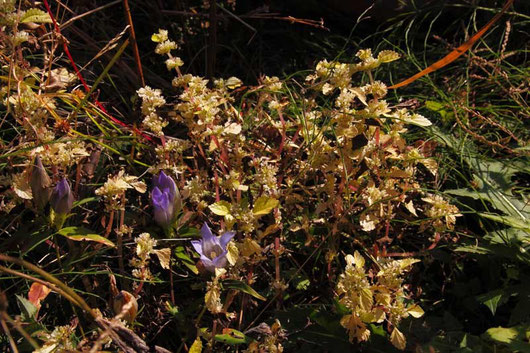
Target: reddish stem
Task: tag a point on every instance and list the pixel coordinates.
(87, 89)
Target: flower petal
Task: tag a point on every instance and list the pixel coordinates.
(197, 245)
(207, 263)
(220, 261)
(210, 243)
(225, 238)
(62, 198)
(206, 232)
(166, 184)
(162, 208)
(157, 197)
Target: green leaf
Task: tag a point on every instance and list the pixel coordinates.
(493, 299)
(515, 338)
(508, 220)
(475, 249)
(27, 308)
(35, 15)
(243, 287)
(221, 208)
(84, 234)
(196, 347)
(502, 334)
(233, 337)
(264, 205)
(85, 200)
(185, 259)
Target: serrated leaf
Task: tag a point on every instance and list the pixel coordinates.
(417, 119)
(397, 338)
(233, 337)
(264, 205)
(358, 259)
(233, 253)
(243, 287)
(367, 299)
(164, 256)
(387, 56)
(83, 234)
(220, 208)
(233, 82)
(36, 16)
(415, 311)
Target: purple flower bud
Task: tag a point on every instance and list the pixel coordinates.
(62, 198)
(40, 184)
(212, 249)
(165, 199)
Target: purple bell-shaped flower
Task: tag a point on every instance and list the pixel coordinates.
(212, 249)
(165, 199)
(62, 198)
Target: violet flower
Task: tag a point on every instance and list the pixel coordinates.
(62, 198)
(165, 199)
(212, 249)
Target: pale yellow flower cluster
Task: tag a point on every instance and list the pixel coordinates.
(145, 246)
(116, 186)
(59, 340)
(442, 213)
(169, 156)
(62, 154)
(375, 299)
(151, 100)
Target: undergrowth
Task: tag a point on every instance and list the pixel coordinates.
(319, 211)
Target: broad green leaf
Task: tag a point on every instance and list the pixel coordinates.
(83, 234)
(27, 308)
(493, 299)
(509, 221)
(264, 205)
(35, 15)
(502, 334)
(514, 338)
(221, 208)
(180, 253)
(233, 337)
(243, 287)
